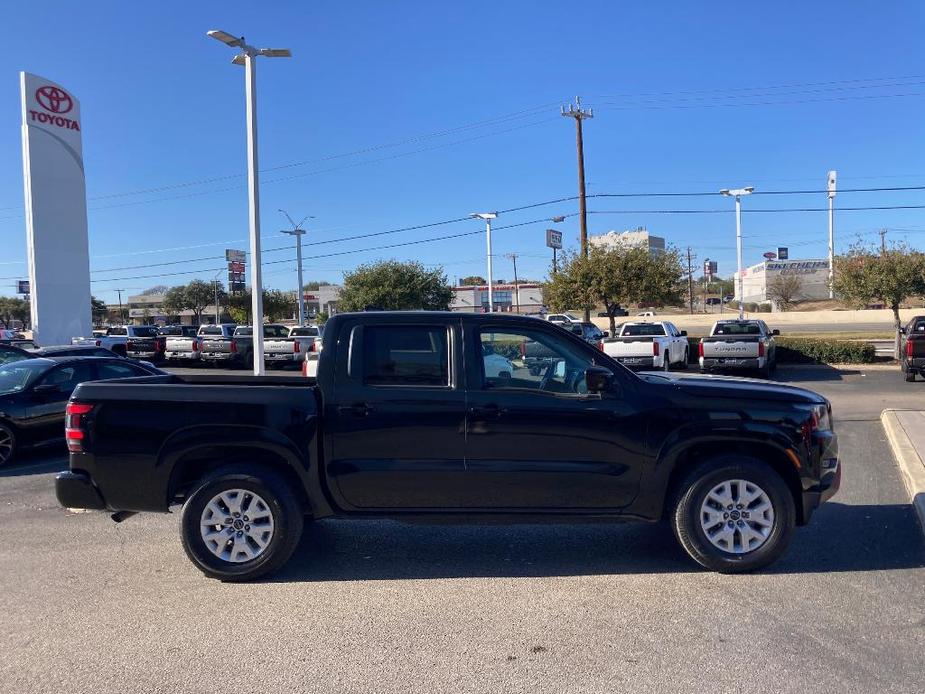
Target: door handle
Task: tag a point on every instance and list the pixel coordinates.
(486, 411)
(357, 409)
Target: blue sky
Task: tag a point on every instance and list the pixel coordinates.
(353, 129)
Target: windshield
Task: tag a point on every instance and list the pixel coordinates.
(642, 330)
(17, 376)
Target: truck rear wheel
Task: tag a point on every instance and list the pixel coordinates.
(734, 514)
(910, 375)
(241, 523)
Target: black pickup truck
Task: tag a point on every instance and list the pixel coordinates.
(408, 419)
(912, 359)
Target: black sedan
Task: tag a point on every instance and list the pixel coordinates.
(34, 394)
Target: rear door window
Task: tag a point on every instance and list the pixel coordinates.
(406, 356)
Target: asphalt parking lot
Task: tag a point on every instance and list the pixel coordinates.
(376, 606)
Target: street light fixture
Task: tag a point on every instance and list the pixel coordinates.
(298, 232)
(246, 57)
(737, 193)
(488, 216)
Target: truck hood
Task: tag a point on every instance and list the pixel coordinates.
(733, 387)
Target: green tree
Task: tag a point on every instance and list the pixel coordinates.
(615, 277)
(14, 309)
(175, 300)
(278, 304)
(785, 289)
(239, 307)
(391, 285)
(194, 297)
(893, 275)
(315, 285)
(472, 280)
(98, 309)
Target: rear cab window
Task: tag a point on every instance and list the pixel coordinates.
(645, 330)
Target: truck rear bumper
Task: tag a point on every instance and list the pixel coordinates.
(723, 364)
(640, 362)
(76, 490)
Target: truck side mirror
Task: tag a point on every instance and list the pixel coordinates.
(606, 333)
(775, 332)
(598, 379)
(683, 333)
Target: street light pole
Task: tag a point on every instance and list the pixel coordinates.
(298, 232)
(247, 57)
(737, 194)
(831, 193)
(488, 216)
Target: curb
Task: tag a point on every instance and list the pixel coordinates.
(910, 462)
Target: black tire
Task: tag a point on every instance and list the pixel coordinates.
(687, 358)
(666, 362)
(7, 445)
(910, 375)
(765, 371)
(287, 516)
(692, 493)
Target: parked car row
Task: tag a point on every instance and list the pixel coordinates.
(222, 344)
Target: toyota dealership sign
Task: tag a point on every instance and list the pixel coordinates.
(56, 211)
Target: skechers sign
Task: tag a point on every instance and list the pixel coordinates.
(53, 101)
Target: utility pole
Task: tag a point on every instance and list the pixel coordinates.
(690, 281)
(298, 232)
(215, 288)
(579, 115)
(882, 233)
(121, 317)
(513, 258)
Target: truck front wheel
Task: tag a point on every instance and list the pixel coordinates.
(734, 514)
(239, 524)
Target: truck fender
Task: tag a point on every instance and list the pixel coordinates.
(199, 439)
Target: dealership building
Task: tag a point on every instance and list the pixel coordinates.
(757, 279)
(506, 297)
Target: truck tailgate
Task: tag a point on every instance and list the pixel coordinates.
(733, 346)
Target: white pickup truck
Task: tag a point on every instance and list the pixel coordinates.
(292, 348)
(739, 345)
(116, 337)
(645, 345)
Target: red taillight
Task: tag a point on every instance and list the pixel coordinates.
(654, 349)
(760, 348)
(699, 349)
(600, 345)
(195, 345)
(73, 422)
(234, 347)
(305, 367)
(295, 347)
(909, 351)
(99, 343)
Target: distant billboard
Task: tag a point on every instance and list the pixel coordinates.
(553, 238)
(783, 253)
(234, 256)
(22, 287)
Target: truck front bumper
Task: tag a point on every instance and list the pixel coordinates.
(76, 490)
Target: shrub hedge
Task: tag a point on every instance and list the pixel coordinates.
(798, 350)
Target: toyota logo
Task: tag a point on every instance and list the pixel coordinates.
(54, 99)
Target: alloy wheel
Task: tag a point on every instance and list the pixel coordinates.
(237, 525)
(737, 516)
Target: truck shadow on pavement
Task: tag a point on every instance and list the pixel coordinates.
(37, 462)
(841, 538)
(812, 372)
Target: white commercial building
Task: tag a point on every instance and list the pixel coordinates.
(506, 297)
(757, 279)
(634, 238)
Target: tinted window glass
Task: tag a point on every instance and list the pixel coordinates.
(69, 376)
(110, 370)
(210, 330)
(405, 355)
(146, 331)
(737, 329)
(304, 332)
(643, 330)
(118, 331)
